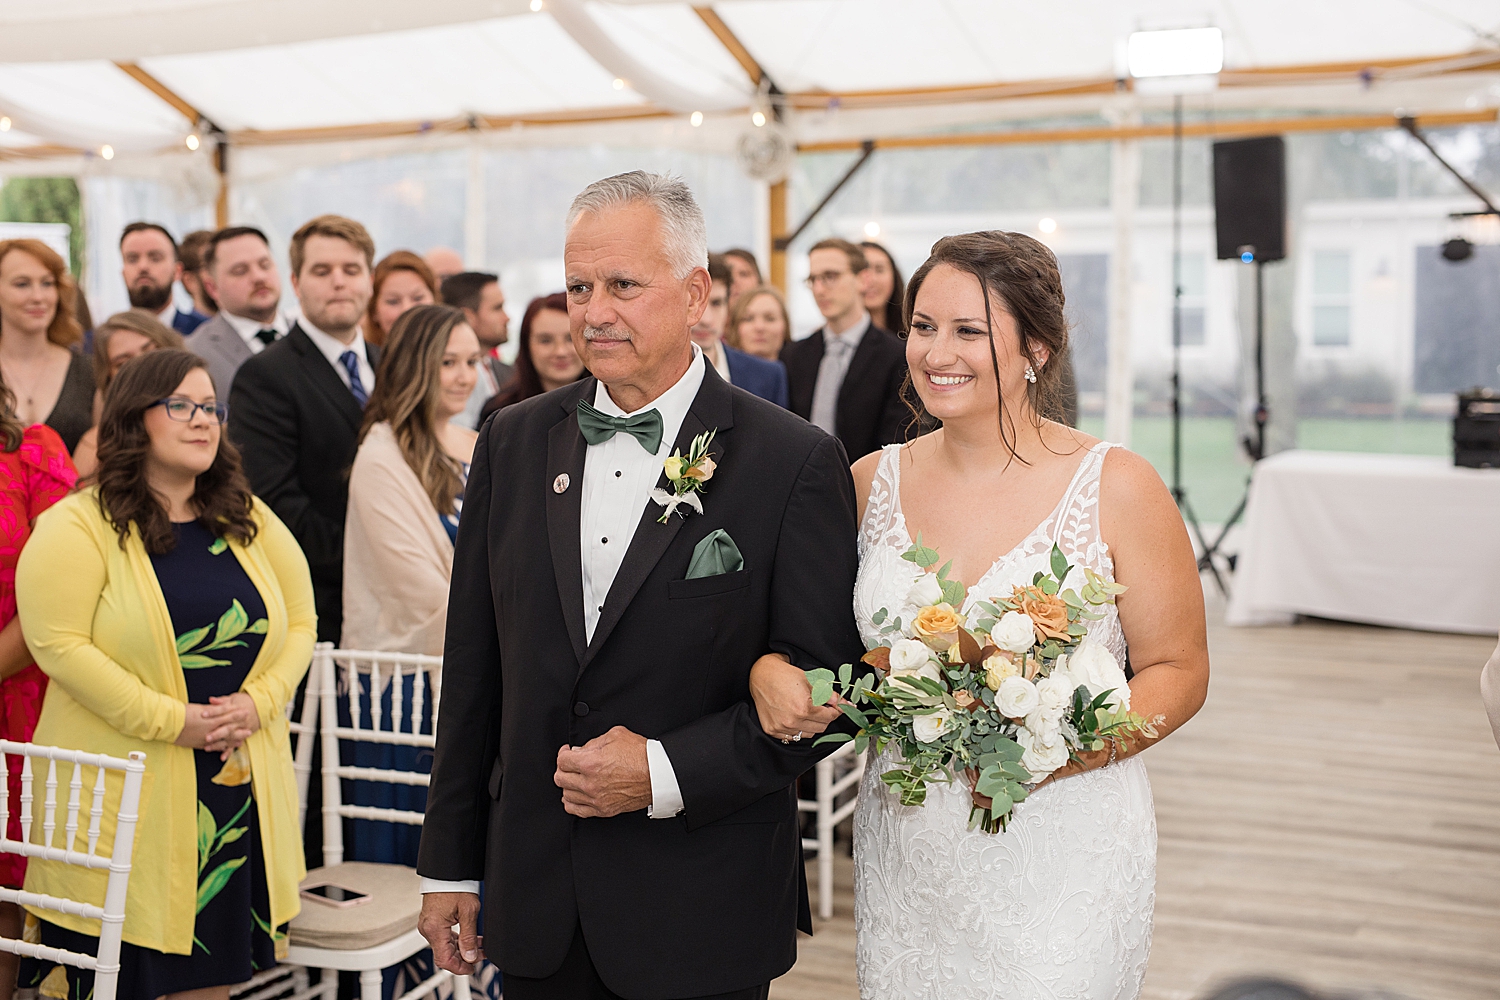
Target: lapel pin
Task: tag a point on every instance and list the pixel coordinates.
(560, 484)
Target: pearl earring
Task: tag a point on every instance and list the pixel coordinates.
(1030, 374)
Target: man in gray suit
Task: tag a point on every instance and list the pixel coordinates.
(239, 272)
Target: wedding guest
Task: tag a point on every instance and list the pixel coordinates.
(52, 384)
(242, 275)
(479, 295)
(744, 272)
(884, 291)
(182, 627)
(34, 474)
(445, 262)
(299, 403)
(402, 280)
(847, 376)
(121, 337)
(192, 251)
(151, 268)
(758, 323)
(546, 358)
(766, 379)
(406, 487)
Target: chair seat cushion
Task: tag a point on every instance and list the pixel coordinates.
(392, 909)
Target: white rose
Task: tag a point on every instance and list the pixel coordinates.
(1017, 698)
(925, 592)
(1093, 665)
(1056, 692)
(1045, 725)
(1013, 632)
(927, 728)
(1041, 759)
(908, 656)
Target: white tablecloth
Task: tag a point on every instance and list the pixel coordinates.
(1402, 540)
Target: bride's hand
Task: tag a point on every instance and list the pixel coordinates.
(783, 700)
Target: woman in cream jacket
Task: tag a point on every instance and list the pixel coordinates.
(173, 614)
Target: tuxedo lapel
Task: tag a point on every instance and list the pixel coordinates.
(565, 454)
(712, 409)
(322, 375)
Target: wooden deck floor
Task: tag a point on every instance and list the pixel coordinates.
(1332, 816)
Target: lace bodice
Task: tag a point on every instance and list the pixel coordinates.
(1057, 907)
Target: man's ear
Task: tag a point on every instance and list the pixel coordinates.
(698, 286)
(207, 281)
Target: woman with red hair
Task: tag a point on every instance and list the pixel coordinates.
(53, 385)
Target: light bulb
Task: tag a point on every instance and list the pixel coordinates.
(872, 229)
(758, 119)
(697, 119)
(107, 151)
(1047, 225)
(619, 83)
(4, 124)
(192, 142)
(536, 5)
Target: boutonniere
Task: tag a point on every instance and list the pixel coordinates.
(686, 477)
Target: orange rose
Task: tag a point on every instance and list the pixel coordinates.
(937, 626)
(1048, 612)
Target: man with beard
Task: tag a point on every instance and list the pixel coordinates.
(241, 275)
(151, 269)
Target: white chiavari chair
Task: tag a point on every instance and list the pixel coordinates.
(111, 916)
(836, 774)
(381, 932)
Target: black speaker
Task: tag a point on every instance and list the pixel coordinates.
(1476, 430)
(1250, 197)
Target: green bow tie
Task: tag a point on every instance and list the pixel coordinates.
(599, 427)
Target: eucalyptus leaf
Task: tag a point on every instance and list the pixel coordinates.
(833, 738)
(1060, 565)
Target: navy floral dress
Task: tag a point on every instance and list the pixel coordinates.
(220, 622)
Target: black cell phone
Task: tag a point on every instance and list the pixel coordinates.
(336, 895)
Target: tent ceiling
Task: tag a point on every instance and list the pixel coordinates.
(314, 64)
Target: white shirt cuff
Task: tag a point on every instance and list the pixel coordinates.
(666, 796)
(438, 885)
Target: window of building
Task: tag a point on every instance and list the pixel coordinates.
(1331, 283)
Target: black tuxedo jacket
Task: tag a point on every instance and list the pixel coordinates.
(706, 902)
(297, 426)
(870, 411)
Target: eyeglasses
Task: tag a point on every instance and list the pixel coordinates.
(826, 278)
(185, 410)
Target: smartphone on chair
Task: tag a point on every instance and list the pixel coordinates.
(332, 894)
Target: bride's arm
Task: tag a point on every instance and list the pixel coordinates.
(1162, 612)
(783, 700)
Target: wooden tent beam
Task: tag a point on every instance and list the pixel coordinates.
(384, 130)
(1219, 129)
(731, 42)
(151, 83)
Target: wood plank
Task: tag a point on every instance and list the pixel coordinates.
(1331, 816)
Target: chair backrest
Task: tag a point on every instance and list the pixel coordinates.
(106, 964)
(304, 729)
(414, 683)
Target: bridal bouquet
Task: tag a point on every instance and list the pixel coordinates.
(1007, 698)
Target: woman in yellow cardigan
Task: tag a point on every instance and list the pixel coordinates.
(173, 613)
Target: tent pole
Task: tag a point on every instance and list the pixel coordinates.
(221, 164)
(475, 221)
(778, 234)
(1119, 377)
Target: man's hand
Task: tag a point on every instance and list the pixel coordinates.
(606, 776)
(458, 953)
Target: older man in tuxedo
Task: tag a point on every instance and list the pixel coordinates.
(656, 854)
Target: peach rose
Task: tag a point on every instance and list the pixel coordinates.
(703, 471)
(1048, 612)
(937, 625)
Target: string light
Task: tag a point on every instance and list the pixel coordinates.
(1047, 225)
(619, 83)
(758, 119)
(536, 5)
(697, 119)
(107, 151)
(4, 123)
(192, 142)
(872, 229)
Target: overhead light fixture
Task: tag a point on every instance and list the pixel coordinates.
(192, 142)
(4, 123)
(758, 119)
(1048, 225)
(619, 83)
(872, 229)
(697, 119)
(1175, 52)
(536, 5)
(107, 151)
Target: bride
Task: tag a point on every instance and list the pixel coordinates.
(1057, 907)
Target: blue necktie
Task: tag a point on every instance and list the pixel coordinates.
(351, 365)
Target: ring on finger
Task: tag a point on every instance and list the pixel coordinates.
(798, 737)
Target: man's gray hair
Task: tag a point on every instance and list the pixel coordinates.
(684, 232)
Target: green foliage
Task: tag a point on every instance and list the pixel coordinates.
(191, 647)
(46, 199)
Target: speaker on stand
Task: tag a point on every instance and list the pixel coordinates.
(1249, 226)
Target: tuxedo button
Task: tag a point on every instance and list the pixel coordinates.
(581, 709)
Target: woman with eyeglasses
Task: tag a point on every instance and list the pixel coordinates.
(181, 628)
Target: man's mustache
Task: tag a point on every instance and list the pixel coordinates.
(592, 333)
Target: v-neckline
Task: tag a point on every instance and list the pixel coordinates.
(1005, 558)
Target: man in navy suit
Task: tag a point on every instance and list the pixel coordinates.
(766, 379)
(152, 267)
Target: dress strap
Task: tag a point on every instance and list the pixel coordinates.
(883, 508)
(1076, 527)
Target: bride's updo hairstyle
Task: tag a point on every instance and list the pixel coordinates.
(1022, 273)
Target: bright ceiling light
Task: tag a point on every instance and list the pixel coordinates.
(107, 151)
(1048, 225)
(619, 83)
(536, 5)
(758, 119)
(192, 142)
(697, 119)
(1176, 52)
(872, 229)
(4, 123)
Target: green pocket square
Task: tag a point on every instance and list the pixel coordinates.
(714, 556)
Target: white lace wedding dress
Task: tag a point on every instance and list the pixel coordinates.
(1057, 907)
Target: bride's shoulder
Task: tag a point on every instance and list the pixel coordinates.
(1133, 500)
